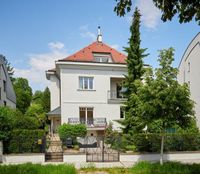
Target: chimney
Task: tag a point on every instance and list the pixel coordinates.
(99, 36)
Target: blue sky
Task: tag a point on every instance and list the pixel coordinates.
(35, 33)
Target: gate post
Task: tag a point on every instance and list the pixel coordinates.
(103, 149)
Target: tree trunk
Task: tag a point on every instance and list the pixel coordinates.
(161, 150)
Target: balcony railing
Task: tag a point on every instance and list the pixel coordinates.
(95, 122)
(116, 95)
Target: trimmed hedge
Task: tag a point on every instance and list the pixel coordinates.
(26, 141)
(151, 142)
(72, 131)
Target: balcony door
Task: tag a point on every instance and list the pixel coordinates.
(119, 90)
(86, 115)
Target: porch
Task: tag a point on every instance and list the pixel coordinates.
(55, 120)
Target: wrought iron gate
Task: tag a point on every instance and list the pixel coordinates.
(98, 150)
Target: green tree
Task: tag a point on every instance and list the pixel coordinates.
(42, 98)
(23, 94)
(135, 68)
(46, 100)
(36, 111)
(6, 122)
(37, 97)
(186, 10)
(162, 99)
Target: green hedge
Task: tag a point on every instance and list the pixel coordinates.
(71, 131)
(24, 141)
(151, 142)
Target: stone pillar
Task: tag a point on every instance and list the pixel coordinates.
(51, 125)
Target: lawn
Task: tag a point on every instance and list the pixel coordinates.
(156, 168)
(140, 168)
(37, 169)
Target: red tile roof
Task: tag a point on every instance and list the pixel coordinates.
(86, 54)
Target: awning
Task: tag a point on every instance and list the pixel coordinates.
(55, 112)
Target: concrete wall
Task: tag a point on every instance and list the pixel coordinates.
(189, 72)
(182, 157)
(23, 158)
(1, 151)
(73, 158)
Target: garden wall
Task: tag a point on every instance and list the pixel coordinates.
(176, 156)
(71, 158)
(24, 158)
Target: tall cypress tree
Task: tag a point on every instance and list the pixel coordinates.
(135, 69)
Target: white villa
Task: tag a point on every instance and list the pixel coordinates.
(189, 72)
(7, 93)
(86, 88)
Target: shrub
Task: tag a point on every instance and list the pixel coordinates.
(25, 141)
(6, 122)
(142, 142)
(71, 131)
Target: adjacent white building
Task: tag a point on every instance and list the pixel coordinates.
(7, 93)
(86, 87)
(189, 72)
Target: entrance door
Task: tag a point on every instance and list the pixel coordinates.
(57, 122)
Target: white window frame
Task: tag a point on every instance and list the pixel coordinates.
(86, 83)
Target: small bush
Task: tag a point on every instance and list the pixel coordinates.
(71, 131)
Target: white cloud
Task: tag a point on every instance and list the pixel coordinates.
(85, 33)
(56, 45)
(39, 63)
(115, 46)
(150, 14)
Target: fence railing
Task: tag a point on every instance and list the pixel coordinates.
(116, 95)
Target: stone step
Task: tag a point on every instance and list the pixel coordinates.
(55, 143)
(54, 157)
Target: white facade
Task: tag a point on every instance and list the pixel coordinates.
(189, 72)
(7, 94)
(66, 94)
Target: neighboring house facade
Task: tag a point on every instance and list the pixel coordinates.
(86, 87)
(7, 93)
(189, 72)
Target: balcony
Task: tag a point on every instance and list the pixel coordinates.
(116, 97)
(90, 123)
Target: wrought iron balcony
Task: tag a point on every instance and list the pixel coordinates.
(95, 122)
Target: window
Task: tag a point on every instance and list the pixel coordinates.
(4, 86)
(4, 103)
(86, 83)
(86, 115)
(188, 66)
(102, 57)
(122, 112)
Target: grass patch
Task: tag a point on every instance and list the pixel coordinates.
(149, 168)
(140, 168)
(29, 168)
(167, 168)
